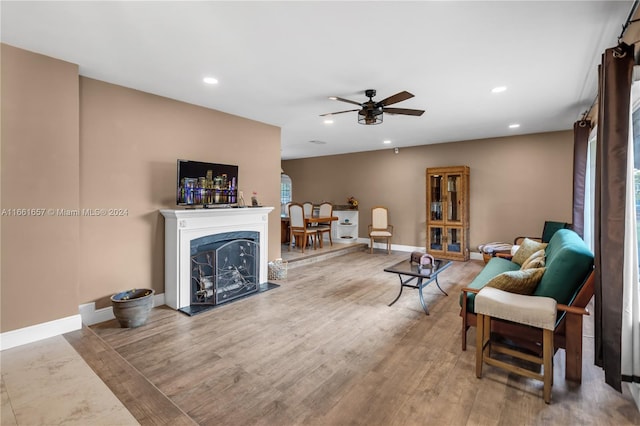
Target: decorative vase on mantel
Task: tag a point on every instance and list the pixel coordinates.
(131, 308)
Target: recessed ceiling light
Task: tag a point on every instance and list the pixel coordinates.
(210, 80)
(514, 126)
(328, 121)
(387, 141)
(333, 98)
(499, 89)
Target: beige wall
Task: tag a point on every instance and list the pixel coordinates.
(75, 143)
(516, 184)
(39, 171)
(71, 143)
(130, 141)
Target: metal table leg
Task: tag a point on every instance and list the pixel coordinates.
(438, 284)
(424, 278)
(402, 285)
(424, 305)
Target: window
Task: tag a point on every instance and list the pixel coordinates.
(285, 193)
(590, 190)
(630, 330)
(635, 121)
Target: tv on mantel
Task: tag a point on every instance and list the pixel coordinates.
(206, 184)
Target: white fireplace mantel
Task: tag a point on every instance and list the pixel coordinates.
(182, 226)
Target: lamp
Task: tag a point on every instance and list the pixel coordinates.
(370, 116)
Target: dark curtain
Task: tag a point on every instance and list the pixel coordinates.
(611, 160)
(581, 131)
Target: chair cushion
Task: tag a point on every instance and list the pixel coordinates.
(527, 248)
(535, 311)
(569, 262)
(495, 247)
(523, 281)
(536, 260)
(380, 234)
(495, 266)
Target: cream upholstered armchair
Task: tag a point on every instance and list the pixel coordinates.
(380, 227)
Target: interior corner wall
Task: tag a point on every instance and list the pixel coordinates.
(70, 144)
(130, 143)
(516, 183)
(39, 175)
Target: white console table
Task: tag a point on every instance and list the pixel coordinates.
(345, 229)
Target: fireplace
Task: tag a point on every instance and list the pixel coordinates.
(213, 256)
(224, 267)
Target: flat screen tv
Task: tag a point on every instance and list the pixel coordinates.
(206, 184)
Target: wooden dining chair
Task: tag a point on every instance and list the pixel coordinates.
(298, 227)
(308, 208)
(326, 210)
(308, 212)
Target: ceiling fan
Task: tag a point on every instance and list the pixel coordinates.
(371, 111)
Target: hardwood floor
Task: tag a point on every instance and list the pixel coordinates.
(325, 349)
(296, 258)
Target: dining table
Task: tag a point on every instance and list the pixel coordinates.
(320, 219)
(284, 221)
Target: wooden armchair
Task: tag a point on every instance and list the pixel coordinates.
(380, 227)
(567, 334)
(500, 249)
(548, 230)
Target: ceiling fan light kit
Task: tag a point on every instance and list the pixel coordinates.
(371, 112)
(370, 117)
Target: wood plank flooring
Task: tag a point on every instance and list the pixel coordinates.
(325, 349)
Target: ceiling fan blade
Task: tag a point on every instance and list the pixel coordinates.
(339, 112)
(404, 111)
(398, 97)
(345, 100)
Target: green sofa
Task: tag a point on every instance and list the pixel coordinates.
(568, 279)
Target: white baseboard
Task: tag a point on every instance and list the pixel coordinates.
(90, 315)
(634, 388)
(474, 255)
(394, 247)
(397, 247)
(22, 336)
(158, 299)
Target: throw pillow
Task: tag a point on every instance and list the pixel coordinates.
(527, 248)
(520, 281)
(536, 260)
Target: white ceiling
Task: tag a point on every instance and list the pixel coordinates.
(278, 62)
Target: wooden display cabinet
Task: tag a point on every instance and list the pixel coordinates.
(448, 212)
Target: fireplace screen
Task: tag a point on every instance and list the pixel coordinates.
(224, 267)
